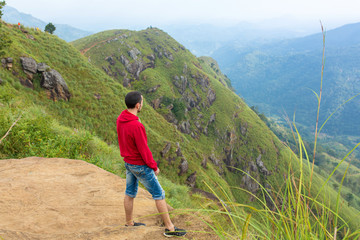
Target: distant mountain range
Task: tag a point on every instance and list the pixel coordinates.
(278, 76)
(66, 32)
(206, 39)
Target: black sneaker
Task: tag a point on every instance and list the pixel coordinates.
(177, 233)
(136, 224)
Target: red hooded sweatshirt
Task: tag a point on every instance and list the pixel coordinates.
(133, 141)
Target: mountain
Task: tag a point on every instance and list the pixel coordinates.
(206, 39)
(66, 32)
(277, 77)
(62, 100)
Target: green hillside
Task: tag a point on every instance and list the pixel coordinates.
(222, 130)
(199, 130)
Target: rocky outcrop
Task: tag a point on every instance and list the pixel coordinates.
(211, 96)
(54, 82)
(7, 63)
(180, 83)
(126, 82)
(243, 128)
(185, 69)
(134, 52)
(42, 67)
(190, 101)
(111, 60)
(203, 81)
(50, 79)
(29, 65)
(214, 160)
(185, 127)
(261, 166)
(160, 51)
(26, 82)
(136, 67)
(153, 89)
(204, 163)
(156, 103)
(191, 180)
(184, 166)
(165, 150)
(249, 183)
(212, 118)
(124, 60)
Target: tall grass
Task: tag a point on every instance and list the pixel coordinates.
(297, 210)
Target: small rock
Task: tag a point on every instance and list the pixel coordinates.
(156, 103)
(184, 166)
(204, 163)
(166, 149)
(27, 83)
(213, 159)
(212, 118)
(3, 62)
(29, 65)
(42, 67)
(191, 180)
(97, 96)
(153, 89)
(126, 82)
(211, 96)
(185, 127)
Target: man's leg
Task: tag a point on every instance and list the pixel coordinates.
(129, 206)
(162, 208)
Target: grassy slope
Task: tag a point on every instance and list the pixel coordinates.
(79, 128)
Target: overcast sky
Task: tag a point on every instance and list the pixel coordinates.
(107, 14)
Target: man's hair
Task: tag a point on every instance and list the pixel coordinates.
(132, 98)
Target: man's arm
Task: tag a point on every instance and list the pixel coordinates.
(143, 148)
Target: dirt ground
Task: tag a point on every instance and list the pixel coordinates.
(42, 198)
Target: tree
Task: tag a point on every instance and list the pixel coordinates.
(4, 39)
(2, 4)
(50, 28)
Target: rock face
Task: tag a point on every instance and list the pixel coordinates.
(184, 166)
(185, 127)
(29, 65)
(211, 96)
(42, 67)
(261, 166)
(249, 183)
(7, 63)
(166, 149)
(191, 180)
(53, 81)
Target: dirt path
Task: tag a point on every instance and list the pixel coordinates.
(83, 51)
(70, 199)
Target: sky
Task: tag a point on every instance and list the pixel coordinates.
(108, 14)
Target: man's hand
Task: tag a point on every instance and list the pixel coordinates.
(157, 171)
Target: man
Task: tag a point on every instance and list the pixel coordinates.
(140, 164)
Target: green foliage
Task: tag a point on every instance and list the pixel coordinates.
(5, 41)
(2, 4)
(50, 28)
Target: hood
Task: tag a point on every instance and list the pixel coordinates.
(126, 116)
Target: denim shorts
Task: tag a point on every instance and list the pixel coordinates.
(146, 175)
